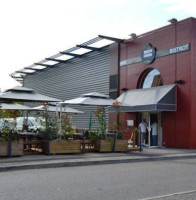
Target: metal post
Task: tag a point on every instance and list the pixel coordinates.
(149, 130)
(48, 142)
(10, 144)
(83, 145)
(140, 140)
(114, 146)
(60, 128)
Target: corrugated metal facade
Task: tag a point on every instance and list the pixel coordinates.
(90, 73)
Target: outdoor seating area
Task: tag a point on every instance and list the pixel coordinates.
(52, 131)
(19, 143)
(29, 143)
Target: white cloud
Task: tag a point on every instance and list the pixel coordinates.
(180, 6)
(35, 29)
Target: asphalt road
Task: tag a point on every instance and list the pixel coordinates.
(102, 182)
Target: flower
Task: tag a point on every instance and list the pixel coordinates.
(116, 105)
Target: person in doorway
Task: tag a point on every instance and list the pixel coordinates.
(143, 128)
(154, 129)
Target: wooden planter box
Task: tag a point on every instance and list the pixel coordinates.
(17, 148)
(121, 146)
(62, 146)
(107, 145)
(104, 145)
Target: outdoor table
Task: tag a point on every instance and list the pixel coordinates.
(89, 145)
(28, 135)
(78, 136)
(31, 141)
(35, 144)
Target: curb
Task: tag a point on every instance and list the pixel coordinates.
(90, 163)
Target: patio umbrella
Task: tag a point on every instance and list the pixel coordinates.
(57, 109)
(93, 98)
(25, 94)
(65, 109)
(90, 121)
(13, 106)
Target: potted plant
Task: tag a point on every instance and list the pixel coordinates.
(120, 144)
(59, 139)
(134, 135)
(65, 143)
(103, 142)
(8, 138)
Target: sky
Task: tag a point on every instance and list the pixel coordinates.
(35, 29)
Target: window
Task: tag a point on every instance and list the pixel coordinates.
(152, 79)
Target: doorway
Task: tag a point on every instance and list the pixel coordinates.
(154, 135)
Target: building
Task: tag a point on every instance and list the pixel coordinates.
(163, 57)
(82, 69)
(162, 61)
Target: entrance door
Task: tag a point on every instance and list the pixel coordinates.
(154, 135)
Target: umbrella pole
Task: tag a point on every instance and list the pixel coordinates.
(83, 145)
(48, 142)
(48, 131)
(115, 134)
(114, 142)
(10, 144)
(60, 130)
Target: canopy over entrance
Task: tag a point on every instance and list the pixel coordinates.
(162, 98)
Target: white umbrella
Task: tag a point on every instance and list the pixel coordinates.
(93, 98)
(55, 108)
(25, 94)
(51, 108)
(13, 106)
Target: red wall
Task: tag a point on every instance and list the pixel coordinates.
(179, 129)
(193, 87)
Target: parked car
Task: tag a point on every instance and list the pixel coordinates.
(7, 122)
(34, 125)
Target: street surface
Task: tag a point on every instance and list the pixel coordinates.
(128, 181)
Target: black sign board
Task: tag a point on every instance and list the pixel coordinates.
(148, 54)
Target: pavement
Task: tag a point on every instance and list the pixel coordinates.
(73, 160)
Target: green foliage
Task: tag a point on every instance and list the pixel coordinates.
(51, 125)
(93, 135)
(100, 115)
(9, 113)
(67, 127)
(4, 133)
(50, 122)
(120, 135)
(117, 125)
(7, 126)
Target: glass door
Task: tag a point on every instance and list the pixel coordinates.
(153, 130)
(153, 137)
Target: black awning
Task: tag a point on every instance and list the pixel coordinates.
(161, 98)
